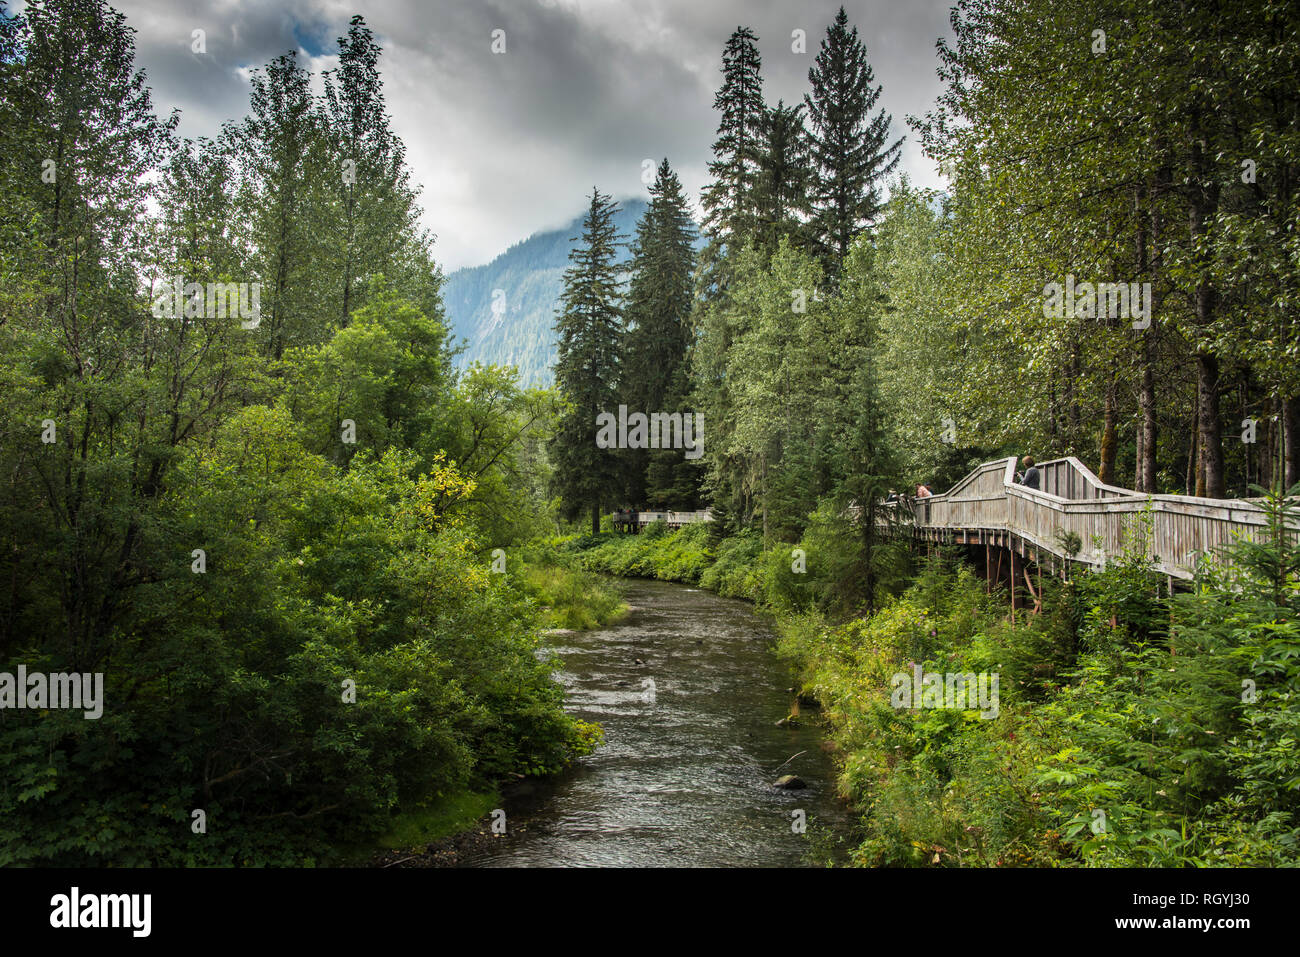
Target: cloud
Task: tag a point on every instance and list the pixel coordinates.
(505, 144)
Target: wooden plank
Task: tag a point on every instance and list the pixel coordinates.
(988, 508)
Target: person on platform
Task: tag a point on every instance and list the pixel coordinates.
(1031, 477)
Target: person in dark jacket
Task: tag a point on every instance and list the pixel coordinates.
(1031, 478)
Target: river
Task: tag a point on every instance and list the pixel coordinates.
(692, 748)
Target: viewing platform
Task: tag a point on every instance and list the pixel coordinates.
(633, 521)
(988, 507)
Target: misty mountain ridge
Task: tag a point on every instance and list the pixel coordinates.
(505, 310)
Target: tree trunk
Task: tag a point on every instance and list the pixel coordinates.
(1147, 402)
(1137, 458)
(1204, 206)
(1211, 436)
(1109, 441)
(1193, 453)
(1291, 441)
(1145, 467)
(1075, 415)
(595, 519)
(1266, 457)
(1053, 414)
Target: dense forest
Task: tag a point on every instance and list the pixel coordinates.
(842, 325)
(313, 555)
(272, 536)
(1112, 275)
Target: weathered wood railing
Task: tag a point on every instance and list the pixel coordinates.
(987, 506)
(638, 520)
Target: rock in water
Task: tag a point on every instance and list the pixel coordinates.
(789, 782)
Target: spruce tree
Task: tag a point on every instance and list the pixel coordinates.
(854, 416)
(658, 336)
(589, 335)
(850, 147)
(729, 219)
(367, 182)
(729, 201)
(780, 188)
(283, 150)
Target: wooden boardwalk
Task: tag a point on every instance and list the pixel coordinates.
(988, 508)
(633, 521)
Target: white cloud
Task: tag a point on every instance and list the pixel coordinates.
(504, 145)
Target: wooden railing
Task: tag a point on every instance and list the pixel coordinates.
(671, 519)
(988, 505)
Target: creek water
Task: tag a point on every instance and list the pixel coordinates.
(692, 748)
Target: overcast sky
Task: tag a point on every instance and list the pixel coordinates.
(506, 144)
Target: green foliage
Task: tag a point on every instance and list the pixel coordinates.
(568, 595)
(735, 572)
(657, 336)
(519, 330)
(317, 578)
(589, 330)
(199, 531)
(850, 149)
(437, 818)
(1133, 729)
(681, 555)
(729, 202)
(1170, 201)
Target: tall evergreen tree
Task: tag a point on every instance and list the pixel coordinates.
(851, 152)
(781, 186)
(283, 150)
(729, 200)
(368, 182)
(853, 414)
(589, 334)
(658, 336)
(729, 219)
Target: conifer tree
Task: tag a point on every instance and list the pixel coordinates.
(367, 182)
(729, 200)
(780, 188)
(658, 335)
(850, 147)
(589, 335)
(729, 219)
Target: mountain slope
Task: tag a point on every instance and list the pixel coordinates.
(519, 331)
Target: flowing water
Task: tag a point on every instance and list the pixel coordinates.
(692, 748)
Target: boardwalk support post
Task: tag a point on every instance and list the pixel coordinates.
(1012, 551)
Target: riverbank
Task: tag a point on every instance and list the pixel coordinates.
(1119, 733)
(697, 712)
(567, 594)
(437, 834)
(692, 701)
(444, 829)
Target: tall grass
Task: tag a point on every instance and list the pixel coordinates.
(567, 594)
